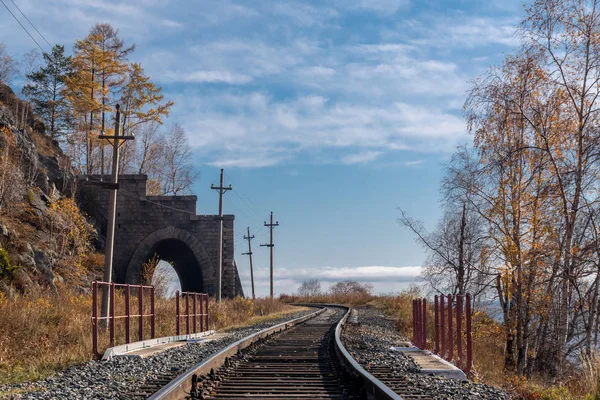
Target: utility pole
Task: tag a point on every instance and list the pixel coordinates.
(222, 189)
(113, 186)
(271, 245)
(249, 253)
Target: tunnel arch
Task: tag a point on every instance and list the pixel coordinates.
(186, 253)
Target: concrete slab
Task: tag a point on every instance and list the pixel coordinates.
(151, 343)
(432, 364)
(149, 351)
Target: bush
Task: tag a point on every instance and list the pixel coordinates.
(30, 196)
(7, 270)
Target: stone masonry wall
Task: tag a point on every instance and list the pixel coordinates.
(140, 216)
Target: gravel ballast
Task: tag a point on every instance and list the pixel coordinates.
(369, 341)
(114, 379)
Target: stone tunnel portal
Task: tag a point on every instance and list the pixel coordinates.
(169, 227)
(185, 252)
(183, 261)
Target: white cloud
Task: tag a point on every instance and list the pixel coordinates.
(254, 130)
(361, 158)
(415, 163)
(247, 162)
(293, 79)
(207, 77)
(376, 6)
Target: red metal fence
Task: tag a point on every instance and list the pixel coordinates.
(127, 316)
(445, 337)
(199, 309)
(143, 294)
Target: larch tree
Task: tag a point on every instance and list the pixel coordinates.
(82, 93)
(141, 100)
(100, 66)
(111, 71)
(142, 105)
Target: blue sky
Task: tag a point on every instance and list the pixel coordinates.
(331, 113)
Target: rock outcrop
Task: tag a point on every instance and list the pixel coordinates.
(39, 174)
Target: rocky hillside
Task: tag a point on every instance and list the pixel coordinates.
(46, 240)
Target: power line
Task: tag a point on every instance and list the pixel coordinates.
(30, 23)
(231, 203)
(25, 29)
(246, 196)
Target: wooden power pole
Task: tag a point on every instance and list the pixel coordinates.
(116, 141)
(271, 225)
(249, 253)
(222, 189)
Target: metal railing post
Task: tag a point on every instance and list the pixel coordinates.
(459, 306)
(424, 324)
(414, 321)
(450, 333)
(95, 317)
(195, 313)
(418, 326)
(141, 312)
(436, 310)
(112, 314)
(177, 313)
(201, 313)
(187, 313)
(442, 326)
(127, 313)
(152, 315)
(206, 311)
(469, 335)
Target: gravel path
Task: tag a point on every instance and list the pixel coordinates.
(369, 342)
(113, 379)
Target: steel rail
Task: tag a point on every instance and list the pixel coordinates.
(179, 388)
(372, 386)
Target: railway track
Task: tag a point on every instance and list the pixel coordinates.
(299, 363)
(300, 359)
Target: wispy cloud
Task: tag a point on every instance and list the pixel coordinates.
(258, 85)
(207, 77)
(415, 163)
(361, 158)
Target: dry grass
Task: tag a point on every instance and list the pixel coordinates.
(41, 333)
(488, 351)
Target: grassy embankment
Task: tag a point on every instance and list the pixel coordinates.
(42, 333)
(488, 349)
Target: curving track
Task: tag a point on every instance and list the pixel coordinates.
(300, 359)
(297, 364)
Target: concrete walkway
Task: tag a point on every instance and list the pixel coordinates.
(432, 364)
(146, 348)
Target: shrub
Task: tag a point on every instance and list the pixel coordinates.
(30, 196)
(7, 270)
